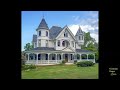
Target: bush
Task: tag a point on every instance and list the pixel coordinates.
(75, 61)
(25, 67)
(85, 63)
(64, 61)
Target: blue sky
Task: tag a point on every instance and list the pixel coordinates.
(87, 20)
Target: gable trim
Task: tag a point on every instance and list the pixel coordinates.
(68, 31)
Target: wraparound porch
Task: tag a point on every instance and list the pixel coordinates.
(56, 58)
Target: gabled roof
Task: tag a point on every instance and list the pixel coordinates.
(79, 31)
(54, 31)
(34, 38)
(43, 25)
(64, 28)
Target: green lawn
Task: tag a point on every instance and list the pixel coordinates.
(62, 72)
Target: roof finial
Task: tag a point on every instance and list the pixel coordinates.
(43, 14)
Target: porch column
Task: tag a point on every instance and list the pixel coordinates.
(56, 57)
(80, 57)
(72, 56)
(87, 56)
(37, 58)
(48, 58)
(61, 56)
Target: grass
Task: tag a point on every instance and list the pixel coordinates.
(62, 72)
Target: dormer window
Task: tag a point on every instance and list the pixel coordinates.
(39, 33)
(46, 33)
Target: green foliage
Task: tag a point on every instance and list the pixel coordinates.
(64, 61)
(26, 67)
(96, 57)
(85, 63)
(90, 56)
(92, 45)
(84, 56)
(62, 72)
(28, 47)
(75, 61)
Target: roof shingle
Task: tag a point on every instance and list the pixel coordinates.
(82, 50)
(43, 25)
(54, 31)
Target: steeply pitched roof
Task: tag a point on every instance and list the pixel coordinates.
(82, 50)
(54, 31)
(44, 48)
(79, 31)
(34, 38)
(43, 25)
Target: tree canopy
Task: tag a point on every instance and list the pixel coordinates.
(28, 47)
(90, 44)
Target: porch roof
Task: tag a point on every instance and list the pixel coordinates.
(82, 50)
(50, 50)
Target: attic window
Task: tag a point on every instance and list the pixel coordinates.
(65, 34)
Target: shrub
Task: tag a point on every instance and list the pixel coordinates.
(85, 63)
(75, 61)
(64, 61)
(25, 67)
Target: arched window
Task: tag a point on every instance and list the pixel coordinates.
(58, 42)
(63, 43)
(39, 33)
(46, 33)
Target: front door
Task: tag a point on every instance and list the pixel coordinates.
(66, 57)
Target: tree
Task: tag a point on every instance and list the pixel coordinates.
(28, 47)
(90, 44)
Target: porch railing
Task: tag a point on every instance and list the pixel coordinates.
(54, 61)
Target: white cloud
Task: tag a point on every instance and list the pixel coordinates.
(73, 28)
(85, 28)
(94, 36)
(76, 18)
(87, 24)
